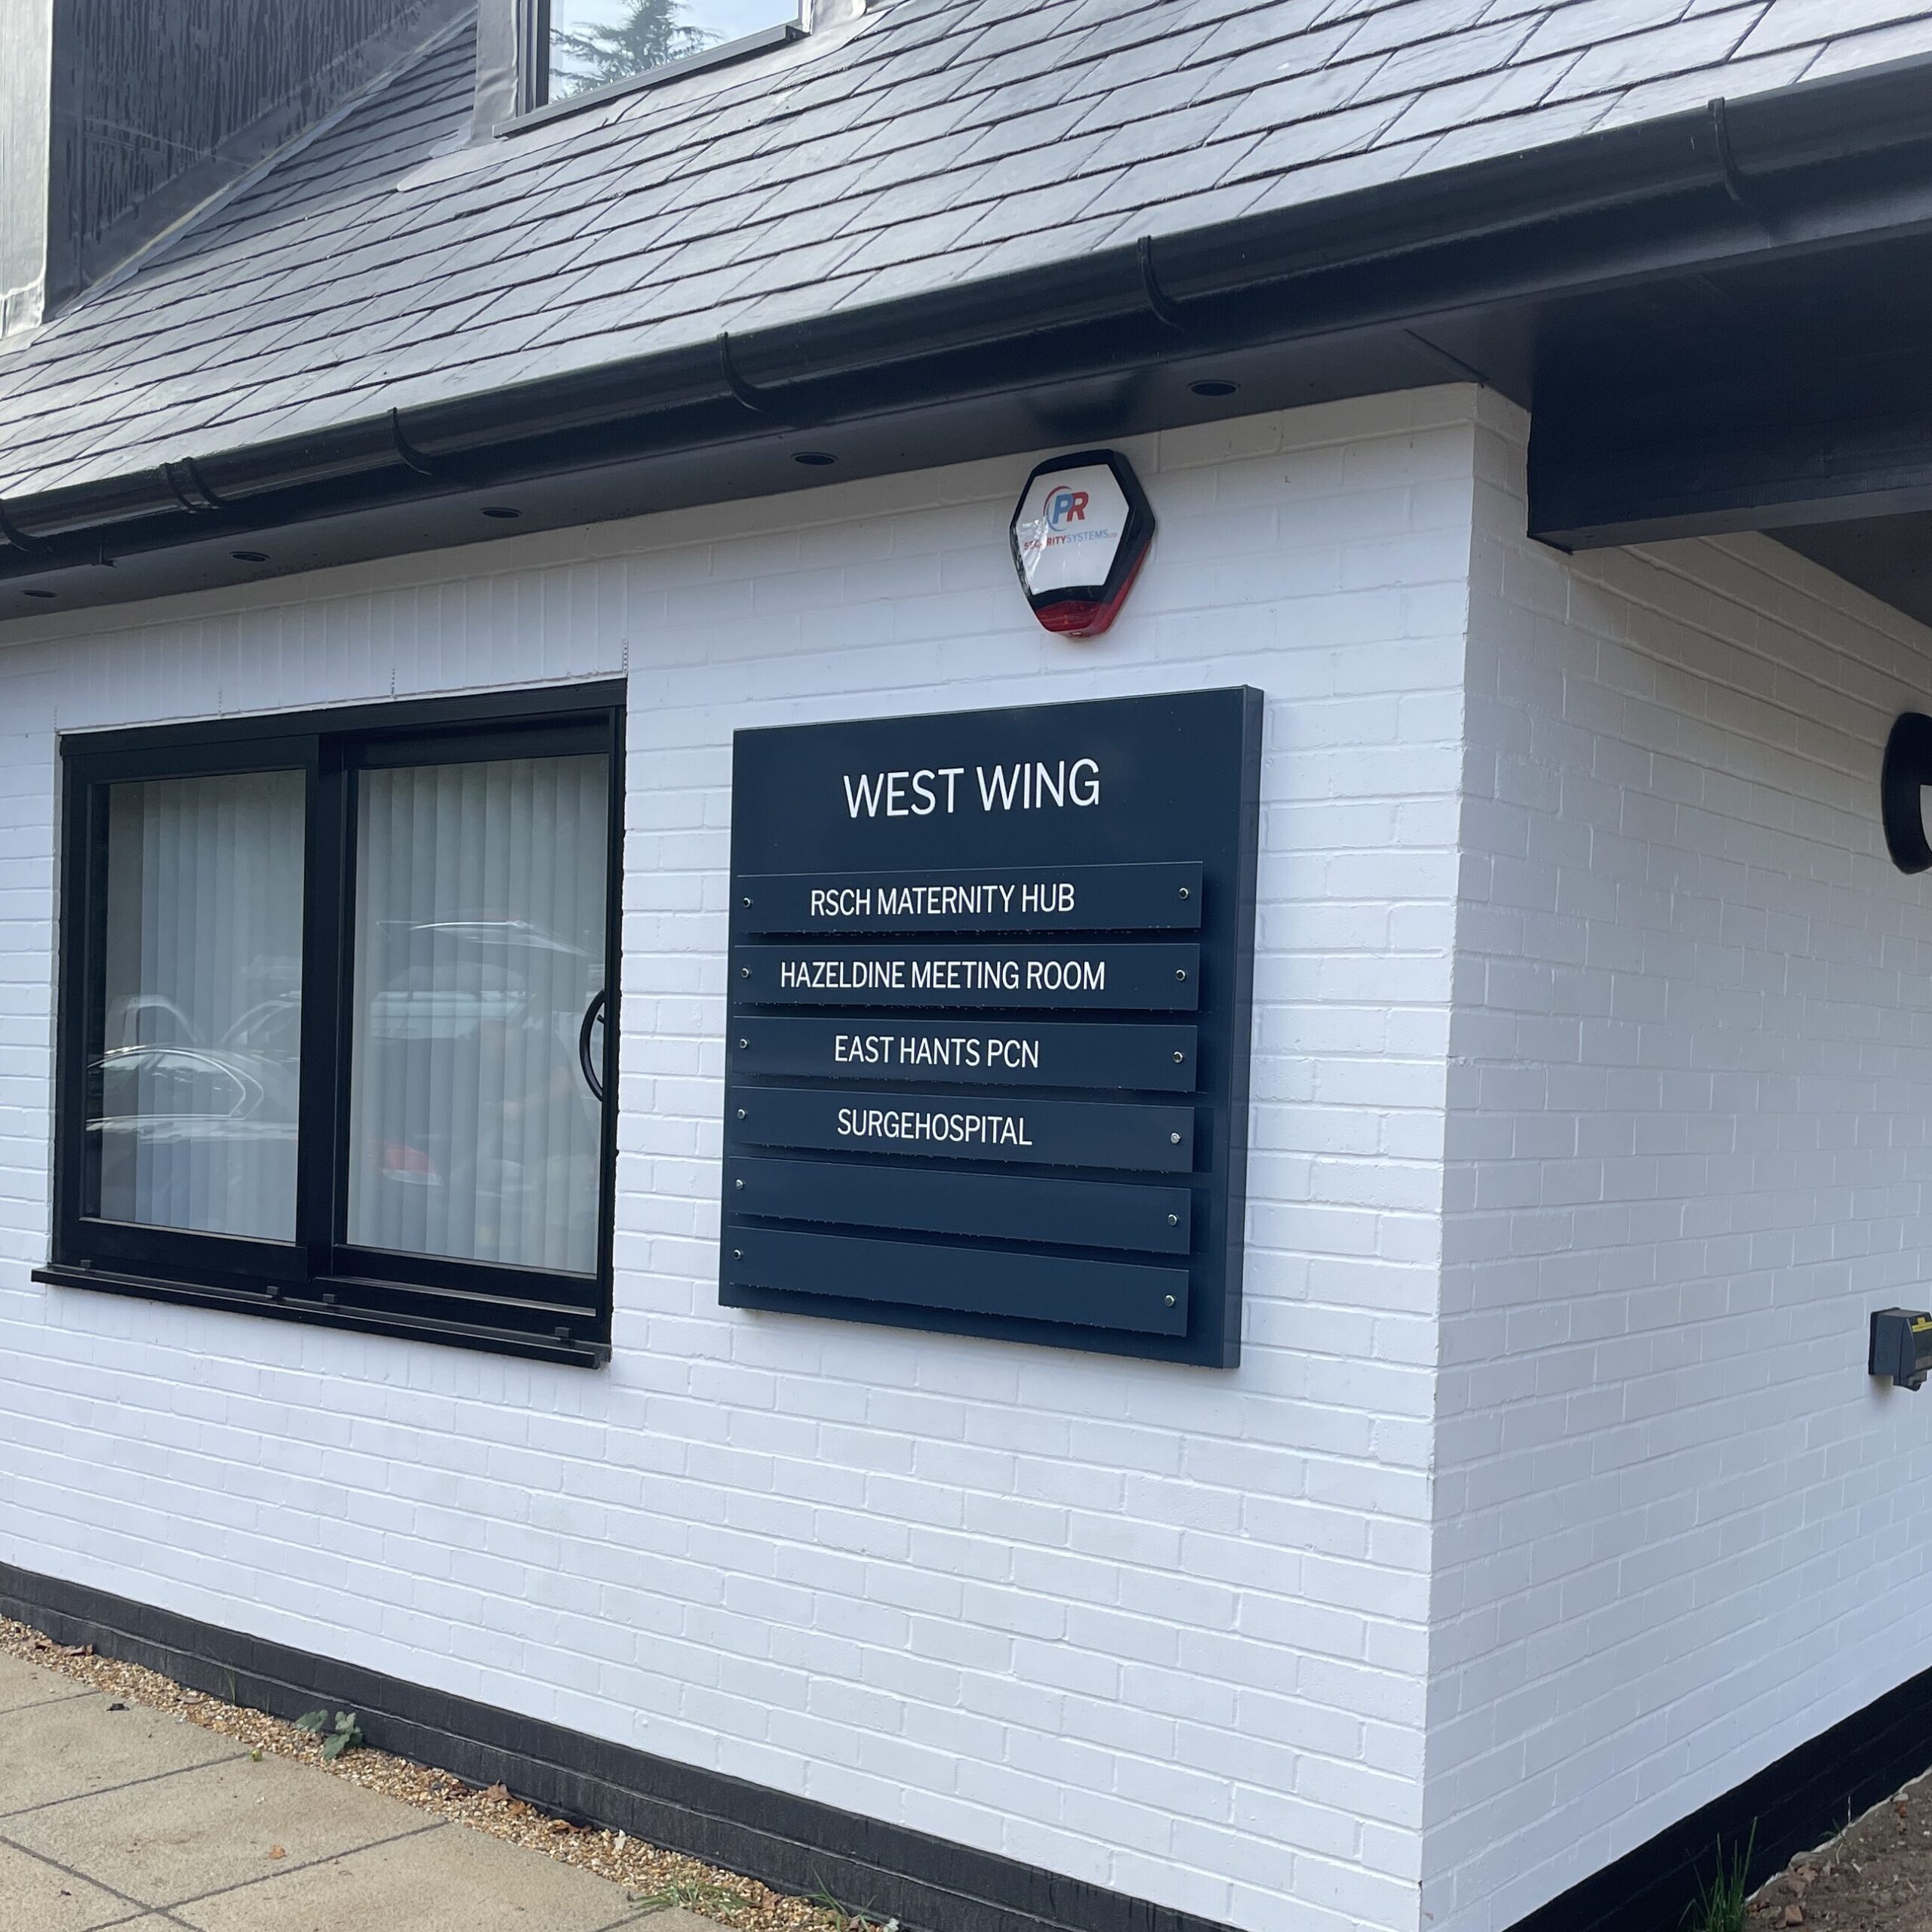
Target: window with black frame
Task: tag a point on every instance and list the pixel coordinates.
(337, 1019)
(585, 47)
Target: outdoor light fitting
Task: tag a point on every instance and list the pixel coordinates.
(1901, 1349)
(1080, 534)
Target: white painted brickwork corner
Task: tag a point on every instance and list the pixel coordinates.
(1190, 1634)
(1677, 1530)
(1164, 1630)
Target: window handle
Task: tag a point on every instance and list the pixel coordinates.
(583, 1056)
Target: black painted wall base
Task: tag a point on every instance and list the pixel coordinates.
(929, 1885)
(792, 1844)
(1799, 1802)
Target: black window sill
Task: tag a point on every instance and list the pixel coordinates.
(724, 54)
(310, 1307)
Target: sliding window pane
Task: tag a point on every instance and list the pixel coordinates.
(475, 1133)
(192, 1114)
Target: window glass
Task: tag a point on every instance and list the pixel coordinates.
(595, 42)
(475, 1123)
(192, 1122)
(336, 1030)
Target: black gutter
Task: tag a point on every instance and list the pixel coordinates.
(1826, 164)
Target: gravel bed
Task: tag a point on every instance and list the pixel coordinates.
(1875, 1876)
(652, 1876)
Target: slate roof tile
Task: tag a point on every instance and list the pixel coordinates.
(1302, 142)
(1676, 93)
(1033, 247)
(1246, 37)
(1194, 184)
(1434, 63)
(1340, 174)
(770, 308)
(1311, 90)
(1512, 90)
(1177, 136)
(1022, 27)
(1412, 23)
(914, 240)
(1901, 42)
(1794, 23)
(1159, 58)
(1689, 47)
(1197, 210)
(1507, 134)
(385, 259)
(1137, 104)
(1026, 134)
(1043, 208)
(1591, 22)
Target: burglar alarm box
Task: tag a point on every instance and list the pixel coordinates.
(1902, 1346)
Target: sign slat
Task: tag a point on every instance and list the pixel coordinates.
(1016, 1207)
(1144, 1056)
(1091, 977)
(1036, 1288)
(1018, 899)
(1047, 1133)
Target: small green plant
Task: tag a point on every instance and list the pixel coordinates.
(1723, 1906)
(704, 1895)
(347, 1735)
(850, 1918)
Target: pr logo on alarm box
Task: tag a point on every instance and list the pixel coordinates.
(1080, 533)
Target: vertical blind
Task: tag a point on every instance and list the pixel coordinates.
(192, 1115)
(479, 948)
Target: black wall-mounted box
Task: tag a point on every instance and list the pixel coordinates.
(990, 989)
(1901, 1346)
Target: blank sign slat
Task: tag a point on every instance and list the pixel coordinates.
(1144, 1219)
(1034, 1288)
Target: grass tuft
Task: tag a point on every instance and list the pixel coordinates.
(850, 1918)
(694, 1895)
(1722, 1906)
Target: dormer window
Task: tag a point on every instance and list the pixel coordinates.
(594, 43)
(583, 50)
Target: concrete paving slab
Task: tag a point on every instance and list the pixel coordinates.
(37, 1897)
(205, 1830)
(55, 1752)
(133, 1820)
(22, 1683)
(446, 1879)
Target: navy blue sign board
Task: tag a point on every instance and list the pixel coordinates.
(990, 986)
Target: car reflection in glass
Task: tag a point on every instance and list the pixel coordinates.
(477, 1134)
(201, 1137)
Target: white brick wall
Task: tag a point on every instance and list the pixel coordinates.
(1677, 1530)
(1165, 1629)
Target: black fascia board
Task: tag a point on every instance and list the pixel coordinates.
(1715, 477)
(1826, 164)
